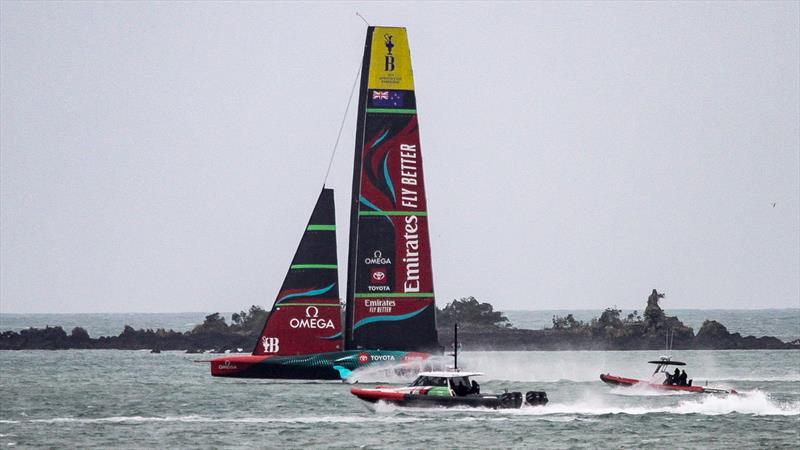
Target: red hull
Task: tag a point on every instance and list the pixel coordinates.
(621, 381)
(227, 366)
(373, 395)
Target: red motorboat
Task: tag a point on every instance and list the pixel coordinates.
(663, 380)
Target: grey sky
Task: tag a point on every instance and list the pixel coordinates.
(165, 157)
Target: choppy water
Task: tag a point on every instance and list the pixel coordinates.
(781, 323)
(98, 398)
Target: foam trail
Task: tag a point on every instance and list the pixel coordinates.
(756, 403)
(643, 390)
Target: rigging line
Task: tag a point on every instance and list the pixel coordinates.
(362, 18)
(341, 127)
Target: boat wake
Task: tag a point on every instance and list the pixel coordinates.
(643, 390)
(756, 403)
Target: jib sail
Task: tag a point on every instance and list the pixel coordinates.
(306, 315)
(390, 301)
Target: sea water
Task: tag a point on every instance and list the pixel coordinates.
(111, 398)
(136, 399)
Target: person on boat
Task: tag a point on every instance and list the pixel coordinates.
(682, 378)
(476, 388)
(676, 376)
(668, 380)
(460, 387)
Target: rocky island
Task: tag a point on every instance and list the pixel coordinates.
(480, 328)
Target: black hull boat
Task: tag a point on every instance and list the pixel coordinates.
(451, 389)
(448, 390)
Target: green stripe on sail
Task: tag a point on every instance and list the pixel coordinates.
(393, 294)
(391, 111)
(321, 228)
(313, 266)
(393, 213)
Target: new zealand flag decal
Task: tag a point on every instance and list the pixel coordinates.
(391, 99)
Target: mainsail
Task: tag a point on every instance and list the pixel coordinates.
(390, 301)
(306, 315)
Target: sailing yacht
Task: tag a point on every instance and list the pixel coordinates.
(389, 314)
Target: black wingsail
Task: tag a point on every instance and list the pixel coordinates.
(390, 300)
(306, 315)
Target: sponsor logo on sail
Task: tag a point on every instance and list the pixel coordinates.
(378, 275)
(377, 258)
(379, 306)
(388, 59)
(311, 320)
(270, 344)
(409, 198)
(378, 279)
(411, 260)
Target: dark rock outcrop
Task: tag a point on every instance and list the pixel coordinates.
(714, 335)
(612, 332)
(483, 329)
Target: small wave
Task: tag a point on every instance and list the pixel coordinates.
(795, 377)
(202, 419)
(483, 414)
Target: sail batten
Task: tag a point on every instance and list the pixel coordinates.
(390, 294)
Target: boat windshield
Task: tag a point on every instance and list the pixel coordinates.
(430, 381)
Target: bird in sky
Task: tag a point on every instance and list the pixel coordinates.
(774, 203)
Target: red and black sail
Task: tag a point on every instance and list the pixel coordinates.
(390, 300)
(306, 315)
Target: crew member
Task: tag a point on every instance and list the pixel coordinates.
(682, 379)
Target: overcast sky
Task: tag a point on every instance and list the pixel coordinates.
(166, 156)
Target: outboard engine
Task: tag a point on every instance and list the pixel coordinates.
(510, 400)
(536, 398)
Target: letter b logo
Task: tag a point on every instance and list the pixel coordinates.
(389, 65)
(270, 344)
